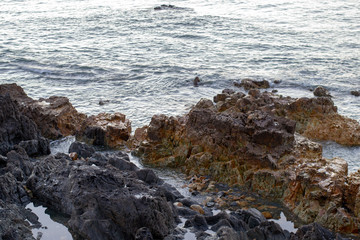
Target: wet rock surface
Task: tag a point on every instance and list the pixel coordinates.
(251, 141)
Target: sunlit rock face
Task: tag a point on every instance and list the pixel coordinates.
(107, 129)
(250, 141)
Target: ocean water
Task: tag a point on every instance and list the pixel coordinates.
(143, 61)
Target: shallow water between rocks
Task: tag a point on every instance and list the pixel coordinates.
(52, 223)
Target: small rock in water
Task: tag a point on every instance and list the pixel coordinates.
(321, 92)
(277, 81)
(355, 93)
(103, 102)
(196, 81)
(165, 6)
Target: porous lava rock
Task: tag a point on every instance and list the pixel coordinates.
(251, 141)
(103, 201)
(16, 128)
(248, 84)
(56, 117)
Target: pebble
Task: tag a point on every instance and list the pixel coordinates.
(197, 208)
(267, 215)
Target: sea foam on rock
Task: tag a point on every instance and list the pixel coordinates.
(251, 141)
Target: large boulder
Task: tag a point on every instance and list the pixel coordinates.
(16, 128)
(251, 141)
(107, 129)
(103, 201)
(55, 117)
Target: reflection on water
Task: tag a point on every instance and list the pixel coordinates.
(51, 228)
(285, 223)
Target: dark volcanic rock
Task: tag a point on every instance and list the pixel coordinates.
(355, 93)
(83, 150)
(13, 225)
(166, 7)
(103, 202)
(314, 231)
(16, 128)
(321, 92)
(248, 84)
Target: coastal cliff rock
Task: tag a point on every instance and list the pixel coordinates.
(16, 128)
(55, 117)
(106, 196)
(250, 141)
(107, 129)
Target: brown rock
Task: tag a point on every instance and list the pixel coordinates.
(267, 215)
(56, 117)
(248, 84)
(197, 208)
(107, 129)
(74, 156)
(252, 142)
(355, 93)
(321, 92)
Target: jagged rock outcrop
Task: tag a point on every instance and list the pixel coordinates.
(107, 129)
(248, 84)
(105, 196)
(13, 224)
(251, 141)
(55, 117)
(15, 128)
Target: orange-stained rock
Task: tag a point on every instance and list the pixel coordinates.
(197, 208)
(251, 141)
(56, 117)
(267, 215)
(107, 129)
(317, 119)
(74, 156)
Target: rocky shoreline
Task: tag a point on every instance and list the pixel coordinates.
(259, 142)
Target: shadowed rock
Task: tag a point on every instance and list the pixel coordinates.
(103, 201)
